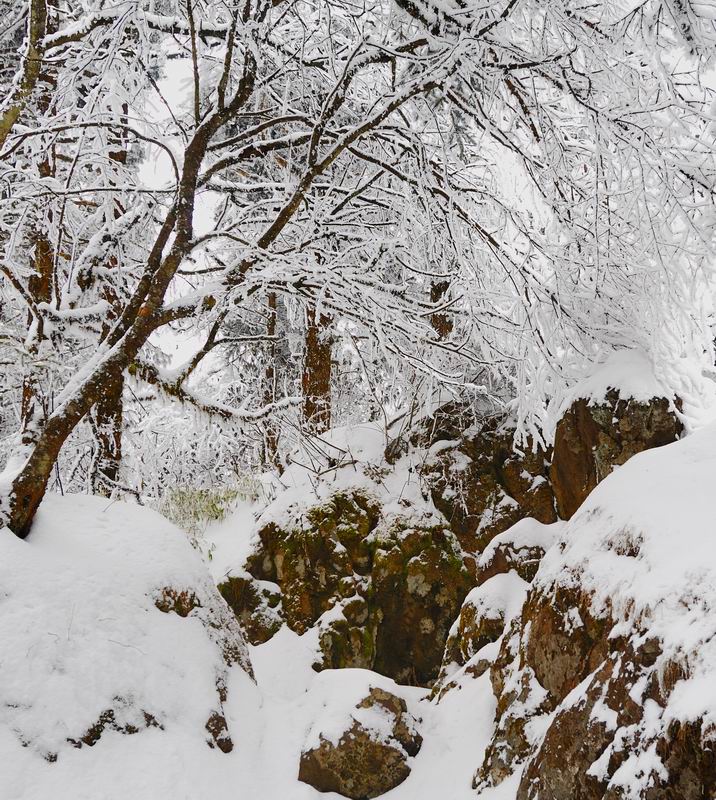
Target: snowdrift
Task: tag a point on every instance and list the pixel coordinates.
(121, 670)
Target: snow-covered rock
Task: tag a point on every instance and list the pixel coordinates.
(618, 411)
(363, 740)
(111, 631)
(604, 686)
(519, 548)
(480, 482)
(382, 589)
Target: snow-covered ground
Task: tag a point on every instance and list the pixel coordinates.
(81, 633)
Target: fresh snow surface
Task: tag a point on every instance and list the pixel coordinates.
(629, 371)
(312, 477)
(527, 532)
(227, 543)
(81, 634)
(79, 628)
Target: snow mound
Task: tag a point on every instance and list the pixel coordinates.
(630, 372)
(336, 695)
(502, 596)
(525, 534)
(110, 626)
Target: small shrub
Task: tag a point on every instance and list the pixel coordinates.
(193, 508)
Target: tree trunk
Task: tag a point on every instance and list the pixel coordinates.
(29, 482)
(317, 374)
(108, 423)
(271, 433)
(441, 322)
(30, 69)
(39, 285)
(108, 411)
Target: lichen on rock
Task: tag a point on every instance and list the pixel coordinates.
(381, 588)
(370, 756)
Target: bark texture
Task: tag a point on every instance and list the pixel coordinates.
(317, 373)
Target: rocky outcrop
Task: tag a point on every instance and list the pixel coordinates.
(487, 610)
(382, 587)
(592, 438)
(550, 648)
(382, 590)
(370, 756)
(319, 557)
(480, 482)
(604, 698)
(600, 681)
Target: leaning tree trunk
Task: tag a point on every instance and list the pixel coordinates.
(317, 374)
(19, 502)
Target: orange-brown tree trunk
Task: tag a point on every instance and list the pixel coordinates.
(441, 322)
(317, 373)
(30, 482)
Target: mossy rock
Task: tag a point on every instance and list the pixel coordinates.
(366, 761)
(419, 583)
(383, 591)
(257, 605)
(348, 638)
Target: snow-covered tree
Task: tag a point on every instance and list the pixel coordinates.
(495, 190)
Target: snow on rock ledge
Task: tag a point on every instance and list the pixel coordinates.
(621, 410)
(109, 625)
(605, 685)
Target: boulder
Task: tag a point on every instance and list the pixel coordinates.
(482, 483)
(382, 589)
(484, 614)
(593, 438)
(347, 635)
(369, 755)
(319, 557)
(419, 581)
(520, 548)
